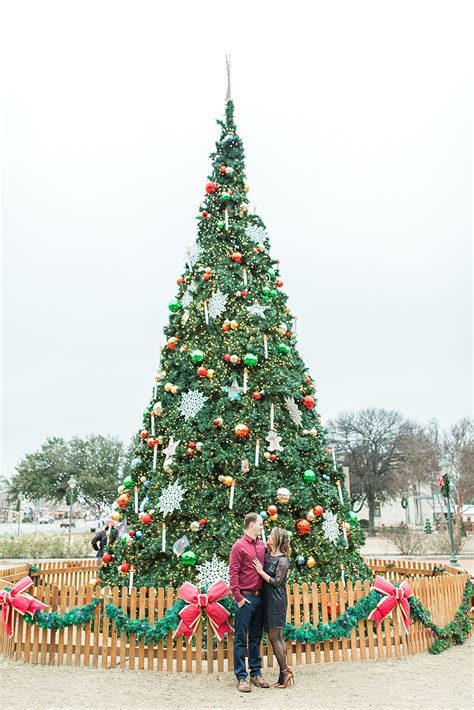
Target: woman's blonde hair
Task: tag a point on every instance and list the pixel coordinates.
(281, 540)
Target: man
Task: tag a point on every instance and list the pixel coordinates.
(246, 585)
(99, 542)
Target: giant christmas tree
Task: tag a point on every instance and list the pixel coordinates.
(232, 425)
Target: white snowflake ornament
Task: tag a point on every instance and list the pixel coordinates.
(256, 234)
(331, 527)
(192, 255)
(212, 571)
(188, 295)
(170, 498)
(273, 441)
(192, 402)
(293, 410)
(257, 310)
(217, 303)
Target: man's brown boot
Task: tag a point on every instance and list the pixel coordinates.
(259, 681)
(243, 686)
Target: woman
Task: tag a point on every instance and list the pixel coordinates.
(274, 573)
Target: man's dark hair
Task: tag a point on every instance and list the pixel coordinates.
(250, 518)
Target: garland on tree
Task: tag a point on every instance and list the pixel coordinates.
(454, 633)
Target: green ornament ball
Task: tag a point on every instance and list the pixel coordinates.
(266, 291)
(188, 558)
(309, 476)
(225, 196)
(273, 293)
(197, 356)
(353, 519)
(284, 349)
(271, 273)
(128, 481)
(250, 360)
(175, 306)
(220, 225)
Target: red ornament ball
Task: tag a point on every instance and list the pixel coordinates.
(124, 567)
(257, 395)
(308, 401)
(151, 443)
(207, 276)
(106, 558)
(180, 281)
(205, 214)
(227, 357)
(237, 257)
(211, 187)
(273, 457)
(147, 519)
(123, 500)
(190, 452)
(202, 523)
(172, 342)
(218, 421)
(131, 533)
(143, 434)
(272, 510)
(241, 431)
(279, 283)
(303, 526)
(202, 371)
(222, 169)
(318, 510)
(244, 293)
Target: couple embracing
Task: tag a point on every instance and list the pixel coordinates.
(258, 582)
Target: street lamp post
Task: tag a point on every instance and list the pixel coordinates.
(71, 484)
(445, 491)
(20, 498)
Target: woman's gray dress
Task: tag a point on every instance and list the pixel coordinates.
(274, 592)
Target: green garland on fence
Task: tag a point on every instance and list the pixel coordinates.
(55, 621)
(455, 632)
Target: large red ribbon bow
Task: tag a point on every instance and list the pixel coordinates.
(191, 615)
(17, 599)
(394, 596)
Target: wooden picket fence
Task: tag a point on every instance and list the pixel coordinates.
(63, 585)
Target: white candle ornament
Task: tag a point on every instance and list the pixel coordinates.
(343, 579)
(339, 490)
(333, 458)
(257, 451)
(152, 419)
(226, 219)
(265, 345)
(246, 375)
(163, 537)
(136, 499)
(231, 499)
(130, 583)
(272, 417)
(245, 277)
(206, 313)
(155, 454)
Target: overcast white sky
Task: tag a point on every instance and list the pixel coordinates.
(356, 119)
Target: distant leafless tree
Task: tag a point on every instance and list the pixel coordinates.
(457, 446)
(385, 453)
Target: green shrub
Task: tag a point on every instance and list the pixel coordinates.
(44, 545)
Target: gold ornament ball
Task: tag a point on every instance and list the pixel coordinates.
(310, 516)
(194, 526)
(227, 480)
(234, 324)
(210, 373)
(157, 409)
(174, 389)
(168, 387)
(120, 489)
(234, 359)
(198, 445)
(310, 562)
(283, 495)
(116, 517)
(246, 188)
(272, 518)
(266, 455)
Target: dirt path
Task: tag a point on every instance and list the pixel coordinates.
(442, 682)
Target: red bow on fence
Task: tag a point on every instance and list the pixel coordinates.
(17, 599)
(191, 614)
(394, 596)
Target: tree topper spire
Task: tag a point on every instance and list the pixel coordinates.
(227, 61)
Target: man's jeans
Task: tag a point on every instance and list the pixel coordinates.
(248, 622)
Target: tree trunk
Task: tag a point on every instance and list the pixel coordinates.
(371, 507)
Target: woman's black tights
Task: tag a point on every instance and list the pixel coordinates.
(279, 649)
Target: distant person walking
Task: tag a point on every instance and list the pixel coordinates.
(99, 542)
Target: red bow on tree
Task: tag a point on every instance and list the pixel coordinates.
(394, 596)
(191, 615)
(17, 599)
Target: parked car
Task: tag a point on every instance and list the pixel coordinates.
(46, 519)
(66, 524)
